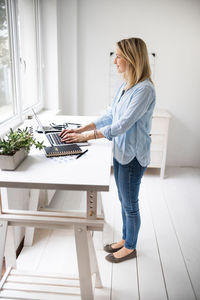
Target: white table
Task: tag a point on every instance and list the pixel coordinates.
(90, 173)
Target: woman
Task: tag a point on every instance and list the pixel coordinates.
(128, 124)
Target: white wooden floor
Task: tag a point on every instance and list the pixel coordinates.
(168, 262)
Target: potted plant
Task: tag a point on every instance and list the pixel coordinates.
(15, 147)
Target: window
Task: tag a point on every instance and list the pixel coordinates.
(29, 56)
(20, 67)
(7, 106)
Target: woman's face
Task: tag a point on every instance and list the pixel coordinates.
(120, 61)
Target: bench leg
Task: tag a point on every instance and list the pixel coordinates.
(3, 232)
(82, 250)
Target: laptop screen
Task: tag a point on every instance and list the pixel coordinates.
(39, 122)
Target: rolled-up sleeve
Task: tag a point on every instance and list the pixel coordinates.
(104, 123)
(137, 108)
(106, 131)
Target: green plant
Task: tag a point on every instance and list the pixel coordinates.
(18, 139)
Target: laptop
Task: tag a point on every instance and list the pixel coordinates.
(53, 137)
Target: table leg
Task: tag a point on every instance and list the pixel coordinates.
(4, 197)
(3, 232)
(93, 261)
(33, 205)
(10, 251)
(91, 205)
(82, 249)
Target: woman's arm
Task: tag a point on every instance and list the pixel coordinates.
(87, 127)
(90, 126)
(82, 137)
(137, 108)
(76, 135)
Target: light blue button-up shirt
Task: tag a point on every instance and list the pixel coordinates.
(128, 123)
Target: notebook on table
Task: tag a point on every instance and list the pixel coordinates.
(62, 150)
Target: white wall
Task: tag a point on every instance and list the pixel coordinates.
(170, 28)
(50, 55)
(67, 43)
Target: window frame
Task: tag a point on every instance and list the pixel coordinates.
(19, 114)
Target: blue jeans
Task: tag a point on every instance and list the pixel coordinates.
(128, 178)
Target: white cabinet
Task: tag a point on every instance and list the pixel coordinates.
(159, 135)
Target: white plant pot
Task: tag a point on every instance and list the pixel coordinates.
(10, 162)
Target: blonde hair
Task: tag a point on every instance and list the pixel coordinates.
(134, 51)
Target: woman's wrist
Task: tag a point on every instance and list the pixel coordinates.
(93, 135)
(89, 135)
(80, 130)
(88, 127)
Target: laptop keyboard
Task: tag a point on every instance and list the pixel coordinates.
(55, 139)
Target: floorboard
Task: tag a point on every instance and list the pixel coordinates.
(150, 274)
(182, 198)
(176, 278)
(168, 263)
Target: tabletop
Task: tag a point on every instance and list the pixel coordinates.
(90, 172)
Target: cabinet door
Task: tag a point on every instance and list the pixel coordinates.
(159, 125)
(156, 159)
(157, 142)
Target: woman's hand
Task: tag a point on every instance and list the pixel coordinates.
(76, 135)
(66, 134)
(66, 131)
(71, 136)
